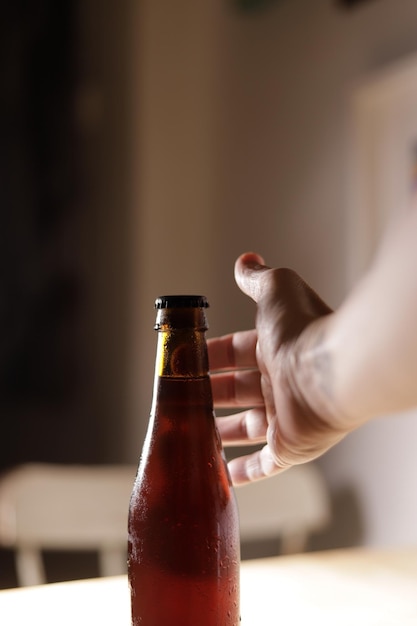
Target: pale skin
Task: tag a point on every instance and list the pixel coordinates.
(306, 376)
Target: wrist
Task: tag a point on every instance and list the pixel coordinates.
(314, 375)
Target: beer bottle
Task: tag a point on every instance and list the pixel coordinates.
(183, 552)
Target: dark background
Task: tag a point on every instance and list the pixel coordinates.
(63, 212)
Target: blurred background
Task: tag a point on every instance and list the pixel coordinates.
(144, 146)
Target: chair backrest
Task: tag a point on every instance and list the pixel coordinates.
(65, 507)
(289, 506)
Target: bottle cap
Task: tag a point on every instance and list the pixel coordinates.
(177, 302)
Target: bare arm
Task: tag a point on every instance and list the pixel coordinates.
(372, 338)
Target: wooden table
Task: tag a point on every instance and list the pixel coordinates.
(355, 587)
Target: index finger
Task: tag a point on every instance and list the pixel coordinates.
(233, 351)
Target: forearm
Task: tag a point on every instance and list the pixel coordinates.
(361, 361)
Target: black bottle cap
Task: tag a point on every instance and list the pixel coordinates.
(174, 302)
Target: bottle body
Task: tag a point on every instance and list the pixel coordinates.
(183, 562)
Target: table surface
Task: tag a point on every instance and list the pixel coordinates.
(359, 587)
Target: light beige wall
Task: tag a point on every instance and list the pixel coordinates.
(173, 221)
(242, 126)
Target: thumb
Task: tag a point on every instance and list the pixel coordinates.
(249, 269)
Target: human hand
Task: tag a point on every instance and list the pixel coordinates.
(269, 371)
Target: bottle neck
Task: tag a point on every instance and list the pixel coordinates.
(182, 347)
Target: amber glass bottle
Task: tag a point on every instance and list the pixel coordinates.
(183, 562)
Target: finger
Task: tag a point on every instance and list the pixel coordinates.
(240, 388)
(232, 351)
(255, 466)
(249, 268)
(245, 428)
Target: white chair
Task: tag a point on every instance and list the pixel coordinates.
(288, 507)
(73, 507)
(65, 507)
